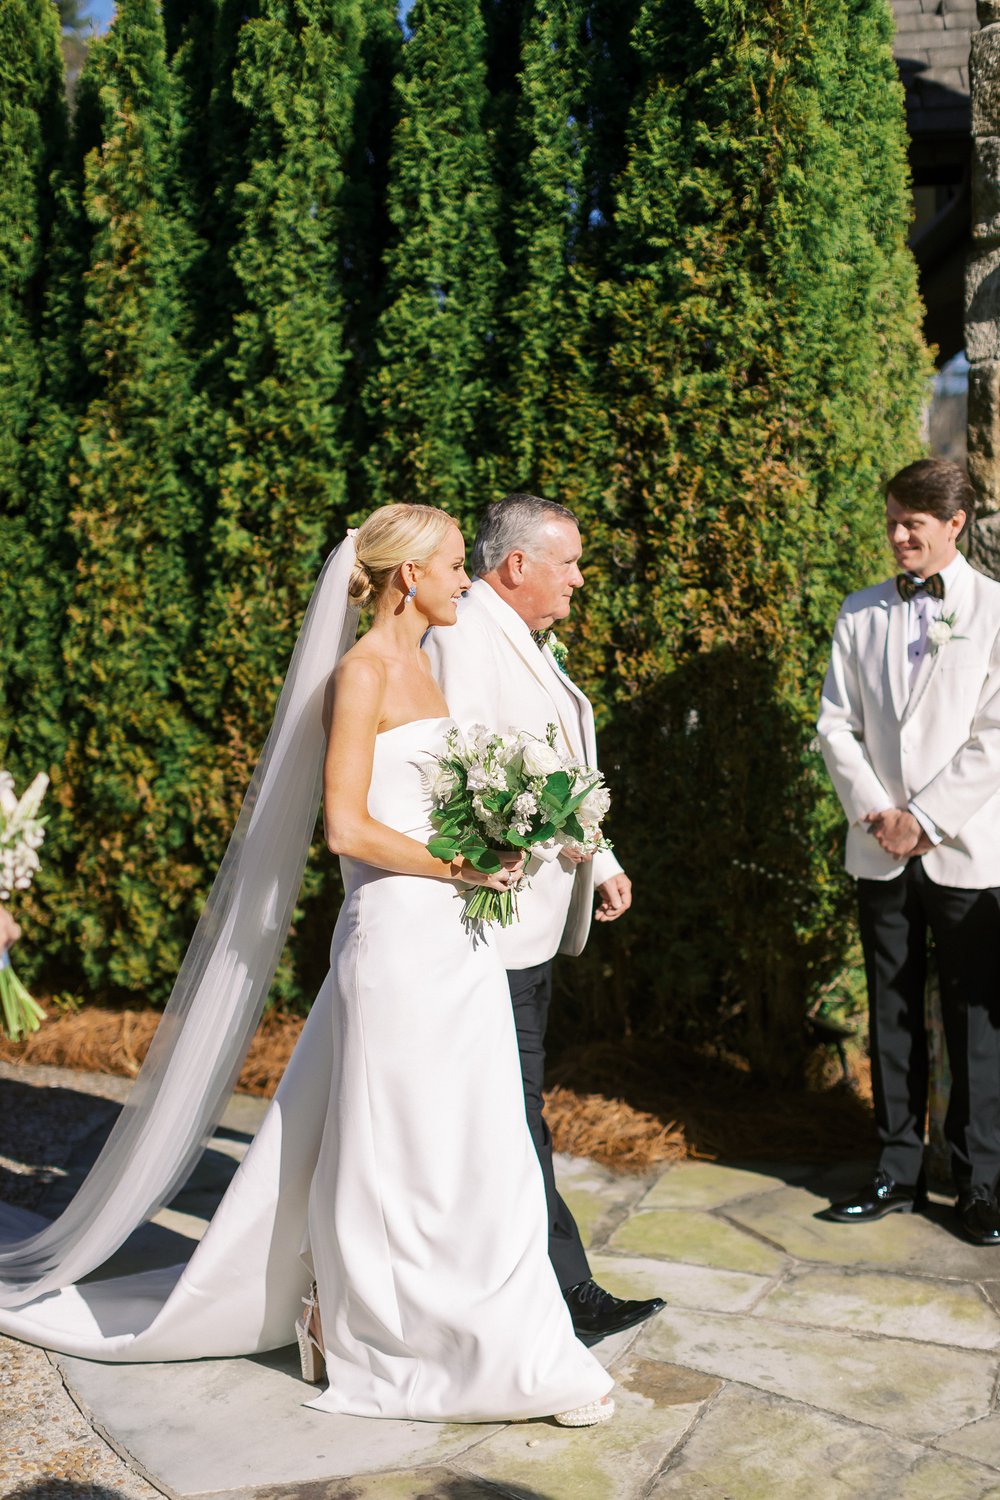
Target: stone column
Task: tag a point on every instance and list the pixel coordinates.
(982, 288)
(982, 347)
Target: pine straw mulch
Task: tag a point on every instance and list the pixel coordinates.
(630, 1107)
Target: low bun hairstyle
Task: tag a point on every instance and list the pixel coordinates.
(391, 536)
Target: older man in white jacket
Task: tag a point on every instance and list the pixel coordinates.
(910, 730)
(496, 668)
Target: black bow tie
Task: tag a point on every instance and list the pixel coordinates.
(909, 587)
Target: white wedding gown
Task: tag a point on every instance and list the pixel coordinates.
(394, 1162)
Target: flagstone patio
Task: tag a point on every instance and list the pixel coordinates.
(797, 1360)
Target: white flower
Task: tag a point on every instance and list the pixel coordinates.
(940, 632)
(8, 799)
(593, 809)
(540, 759)
(29, 804)
(441, 781)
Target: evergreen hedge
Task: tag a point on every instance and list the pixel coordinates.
(647, 259)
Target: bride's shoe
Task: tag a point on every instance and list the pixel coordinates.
(311, 1354)
(587, 1416)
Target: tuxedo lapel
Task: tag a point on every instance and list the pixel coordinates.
(955, 598)
(540, 664)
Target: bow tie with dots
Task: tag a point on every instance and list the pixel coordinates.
(911, 588)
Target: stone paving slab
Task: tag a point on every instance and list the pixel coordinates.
(922, 1244)
(698, 1237)
(912, 1390)
(797, 1360)
(751, 1446)
(904, 1307)
(980, 1440)
(680, 1284)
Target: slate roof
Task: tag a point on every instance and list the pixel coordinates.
(932, 50)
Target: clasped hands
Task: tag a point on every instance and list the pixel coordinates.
(898, 832)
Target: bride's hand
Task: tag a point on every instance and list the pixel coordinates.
(505, 879)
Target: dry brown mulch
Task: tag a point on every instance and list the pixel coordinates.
(631, 1107)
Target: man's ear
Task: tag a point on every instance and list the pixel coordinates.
(511, 570)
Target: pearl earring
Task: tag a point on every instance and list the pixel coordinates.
(411, 594)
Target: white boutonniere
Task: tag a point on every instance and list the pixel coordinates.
(942, 631)
(558, 650)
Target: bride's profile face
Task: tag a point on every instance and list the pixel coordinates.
(442, 581)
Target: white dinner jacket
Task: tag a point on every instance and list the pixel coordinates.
(491, 672)
(936, 744)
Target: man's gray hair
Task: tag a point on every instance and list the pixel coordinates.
(512, 524)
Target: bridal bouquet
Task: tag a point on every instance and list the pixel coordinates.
(21, 835)
(511, 791)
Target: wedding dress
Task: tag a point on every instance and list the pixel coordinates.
(394, 1164)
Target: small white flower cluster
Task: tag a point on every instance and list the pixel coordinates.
(22, 833)
(590, 814)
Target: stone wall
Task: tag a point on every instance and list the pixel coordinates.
(982, 287)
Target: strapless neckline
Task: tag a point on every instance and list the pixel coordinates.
(435, 719)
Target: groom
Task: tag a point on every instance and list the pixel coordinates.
(910, 731)
(496, 668)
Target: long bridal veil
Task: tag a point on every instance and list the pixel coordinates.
(217, 999)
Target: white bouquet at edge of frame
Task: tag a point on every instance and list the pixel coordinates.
(22, 833)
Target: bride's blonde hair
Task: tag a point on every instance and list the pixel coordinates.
(392, 535)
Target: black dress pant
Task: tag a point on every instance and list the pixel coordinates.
(530, 993)
(895, 918)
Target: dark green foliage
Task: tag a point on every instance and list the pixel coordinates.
(282, 464)
(132, 612)
(430, 395)
(33, 575)
(646, 258)
(756, 409)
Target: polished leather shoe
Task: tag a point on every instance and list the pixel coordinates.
(979, 1214)
(596, 1314)
(877, 1198)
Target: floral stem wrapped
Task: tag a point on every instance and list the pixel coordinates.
(500, 792)
(22, 832)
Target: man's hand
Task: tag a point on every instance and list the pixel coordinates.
(898, 832)
(9, 930)
(614, 898)
(574, 857)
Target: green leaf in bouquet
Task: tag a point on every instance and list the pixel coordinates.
(443, 848)
(482, 858)
(573, 828)
(580, 797)
(541, 835)
(556, 789)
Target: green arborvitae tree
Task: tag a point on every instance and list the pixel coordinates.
(32, 129)
(767, 372)
(134, 524)
(282, 491)
(430, 397)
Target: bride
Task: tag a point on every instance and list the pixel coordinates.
(393, 1171)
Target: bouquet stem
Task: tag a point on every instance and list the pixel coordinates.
(19, 1013)
(484, 905)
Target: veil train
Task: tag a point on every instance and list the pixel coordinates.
(220, 990)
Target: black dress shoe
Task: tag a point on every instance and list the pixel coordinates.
(979, 1214)
(596, 1314)
(879, 1197)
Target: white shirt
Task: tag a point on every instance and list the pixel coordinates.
(921, 611)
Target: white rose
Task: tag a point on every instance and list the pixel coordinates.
(939, 633)
(539, 759)
(441, 782)
(594, 806)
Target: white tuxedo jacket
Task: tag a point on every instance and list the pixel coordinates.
(491, 672)
(937, 744)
